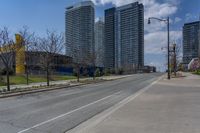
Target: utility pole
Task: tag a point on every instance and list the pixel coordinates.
(168, 50)
(168, 47)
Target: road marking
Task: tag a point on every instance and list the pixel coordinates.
(63, 115)
(86, 126)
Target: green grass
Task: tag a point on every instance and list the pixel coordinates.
(16, 80)
(198, 72)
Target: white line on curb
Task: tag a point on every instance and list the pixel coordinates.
(63, 115)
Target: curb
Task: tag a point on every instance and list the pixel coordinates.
(25, 92)
(36, 91)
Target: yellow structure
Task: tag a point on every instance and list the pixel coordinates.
(19, 55)
(19, 50)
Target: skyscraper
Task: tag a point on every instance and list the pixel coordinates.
(191, 41)
(124, 30)
(109, 45)
(99, 42)
(79, 34)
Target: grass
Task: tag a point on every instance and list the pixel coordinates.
(16, 80)
(197, 72)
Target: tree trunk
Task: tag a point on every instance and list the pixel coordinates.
(175, 64)
(47, 76)
(78, 75)
(94, 72)
(8, 79)
(27, 75)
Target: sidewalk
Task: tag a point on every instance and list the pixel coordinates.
(166, 107)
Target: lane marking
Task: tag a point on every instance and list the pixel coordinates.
(86, 126)
(65, 114)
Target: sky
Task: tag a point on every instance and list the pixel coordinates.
(40, 15)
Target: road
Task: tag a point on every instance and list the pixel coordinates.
(61, 110)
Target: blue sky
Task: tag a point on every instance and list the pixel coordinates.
(39, 15)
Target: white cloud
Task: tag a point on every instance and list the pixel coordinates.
(152, 8)
(155, 41)
(177, 19)
(190, 17)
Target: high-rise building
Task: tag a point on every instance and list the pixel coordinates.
(191, 41)
(109, 45)
(124, 31)
(79, 34)
(99, 42)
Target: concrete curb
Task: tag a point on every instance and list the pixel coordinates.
(25, 92)
(35, 91)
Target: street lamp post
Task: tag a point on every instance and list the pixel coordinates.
(168, 51)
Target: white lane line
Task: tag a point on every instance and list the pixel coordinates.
(63, 115)
(86, 126)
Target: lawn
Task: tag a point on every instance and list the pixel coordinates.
(197, 72)
(15, 80)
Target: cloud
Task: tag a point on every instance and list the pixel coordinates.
(152, 8)
(177, 19)
(156, 42)
(190, 17)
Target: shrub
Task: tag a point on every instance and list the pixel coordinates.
(120, 71)
(97, 73)
(107, 72)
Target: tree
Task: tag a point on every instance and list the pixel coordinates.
(49, 47)
(92, 61)
(29, 40)
(7, 52)
(97, 73)
(175, 55)
(77, 63)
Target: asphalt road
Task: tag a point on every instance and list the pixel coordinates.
(61, 110)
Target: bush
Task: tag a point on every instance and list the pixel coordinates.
(107, 72)
(120, 71)
(97, 73)
(112, 71)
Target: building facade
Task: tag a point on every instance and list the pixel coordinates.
(99, 43)
(109, 45)
(125, 36)
(191, 41)
(79, 34)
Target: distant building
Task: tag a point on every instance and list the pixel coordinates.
(79, 34)
(124, 41)
(191, 41)
(149, 69)
(99, 43)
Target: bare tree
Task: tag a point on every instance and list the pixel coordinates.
(50, 46)
(29, 41)
(175, 55)
(78, 63)
(7, 52)
(92, 61)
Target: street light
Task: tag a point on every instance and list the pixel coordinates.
(167, 22)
